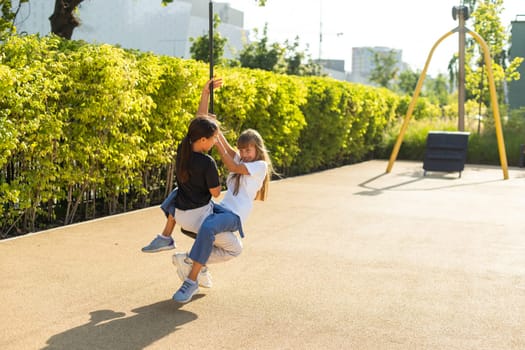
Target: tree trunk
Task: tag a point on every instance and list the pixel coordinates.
(63, 20)
(170, 179)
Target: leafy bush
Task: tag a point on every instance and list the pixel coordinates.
(88, 130)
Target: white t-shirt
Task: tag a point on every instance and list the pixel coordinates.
(242, 203)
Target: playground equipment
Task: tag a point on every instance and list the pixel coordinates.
(210, 38)
(461, 13)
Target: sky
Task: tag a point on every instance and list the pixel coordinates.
(412, 26)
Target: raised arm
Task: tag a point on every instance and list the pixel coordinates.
(227, 153)
(205, 95)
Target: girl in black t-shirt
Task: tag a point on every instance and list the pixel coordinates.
(197, 173)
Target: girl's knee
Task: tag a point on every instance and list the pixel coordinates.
(237, 249)
(207, 231)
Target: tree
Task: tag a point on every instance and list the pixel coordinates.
(7, 22)
(486, 22)
(200, 46)
(284, 59)
(260, 54)
(295, 58)
(385, 68)
(488, 25)
(407, 81)
(437, 90)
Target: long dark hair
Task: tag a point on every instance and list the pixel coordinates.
(201, 126)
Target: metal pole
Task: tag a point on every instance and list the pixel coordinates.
(210, 12)
(320, 30)
(462, 16)
(480, 95)
(494, 103)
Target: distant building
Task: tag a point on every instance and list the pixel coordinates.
(145, 25)
(363, 62)
(333, 68)
(517, 49)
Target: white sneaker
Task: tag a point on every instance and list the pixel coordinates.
(183, 264)
(204, 278)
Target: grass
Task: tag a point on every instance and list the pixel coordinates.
(482, 147)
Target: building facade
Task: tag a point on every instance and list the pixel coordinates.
(148, 26)
(517, 49)
(145, 25)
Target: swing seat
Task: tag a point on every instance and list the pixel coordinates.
(188, 233)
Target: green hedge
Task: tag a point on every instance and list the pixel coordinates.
(89, 130)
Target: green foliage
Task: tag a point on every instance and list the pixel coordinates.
(105, 119)
(385, 68)
(277, 116)
(344, 123)
(277, 58)
(483, 147)
(268, 103)
(299, 62)
(423, 108)
(414, 140)
(34, 80)
(173, 88)
(86, 129)
(76, 119)
(486, 22)
(437, 89)
(407, 81)
(7, 20)
(261, 54)
(200, 47)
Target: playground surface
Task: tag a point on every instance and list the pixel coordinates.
(348, 258)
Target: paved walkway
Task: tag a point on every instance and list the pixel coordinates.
(350, 258)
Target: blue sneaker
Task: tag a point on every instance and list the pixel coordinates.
(159, 244)
(186, 291)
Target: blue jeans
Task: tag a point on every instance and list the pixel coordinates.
(222, 220)
(168, 205)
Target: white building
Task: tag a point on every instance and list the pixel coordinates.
(145, 25)
(333, 68)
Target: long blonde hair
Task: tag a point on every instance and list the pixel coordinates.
(252, 137)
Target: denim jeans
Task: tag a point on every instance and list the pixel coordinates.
(222, 220)
(168, 205)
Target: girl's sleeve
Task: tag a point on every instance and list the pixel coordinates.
(257, 168)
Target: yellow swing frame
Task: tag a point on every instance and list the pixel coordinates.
(493, 98)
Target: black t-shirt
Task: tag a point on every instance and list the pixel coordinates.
(203, 175)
